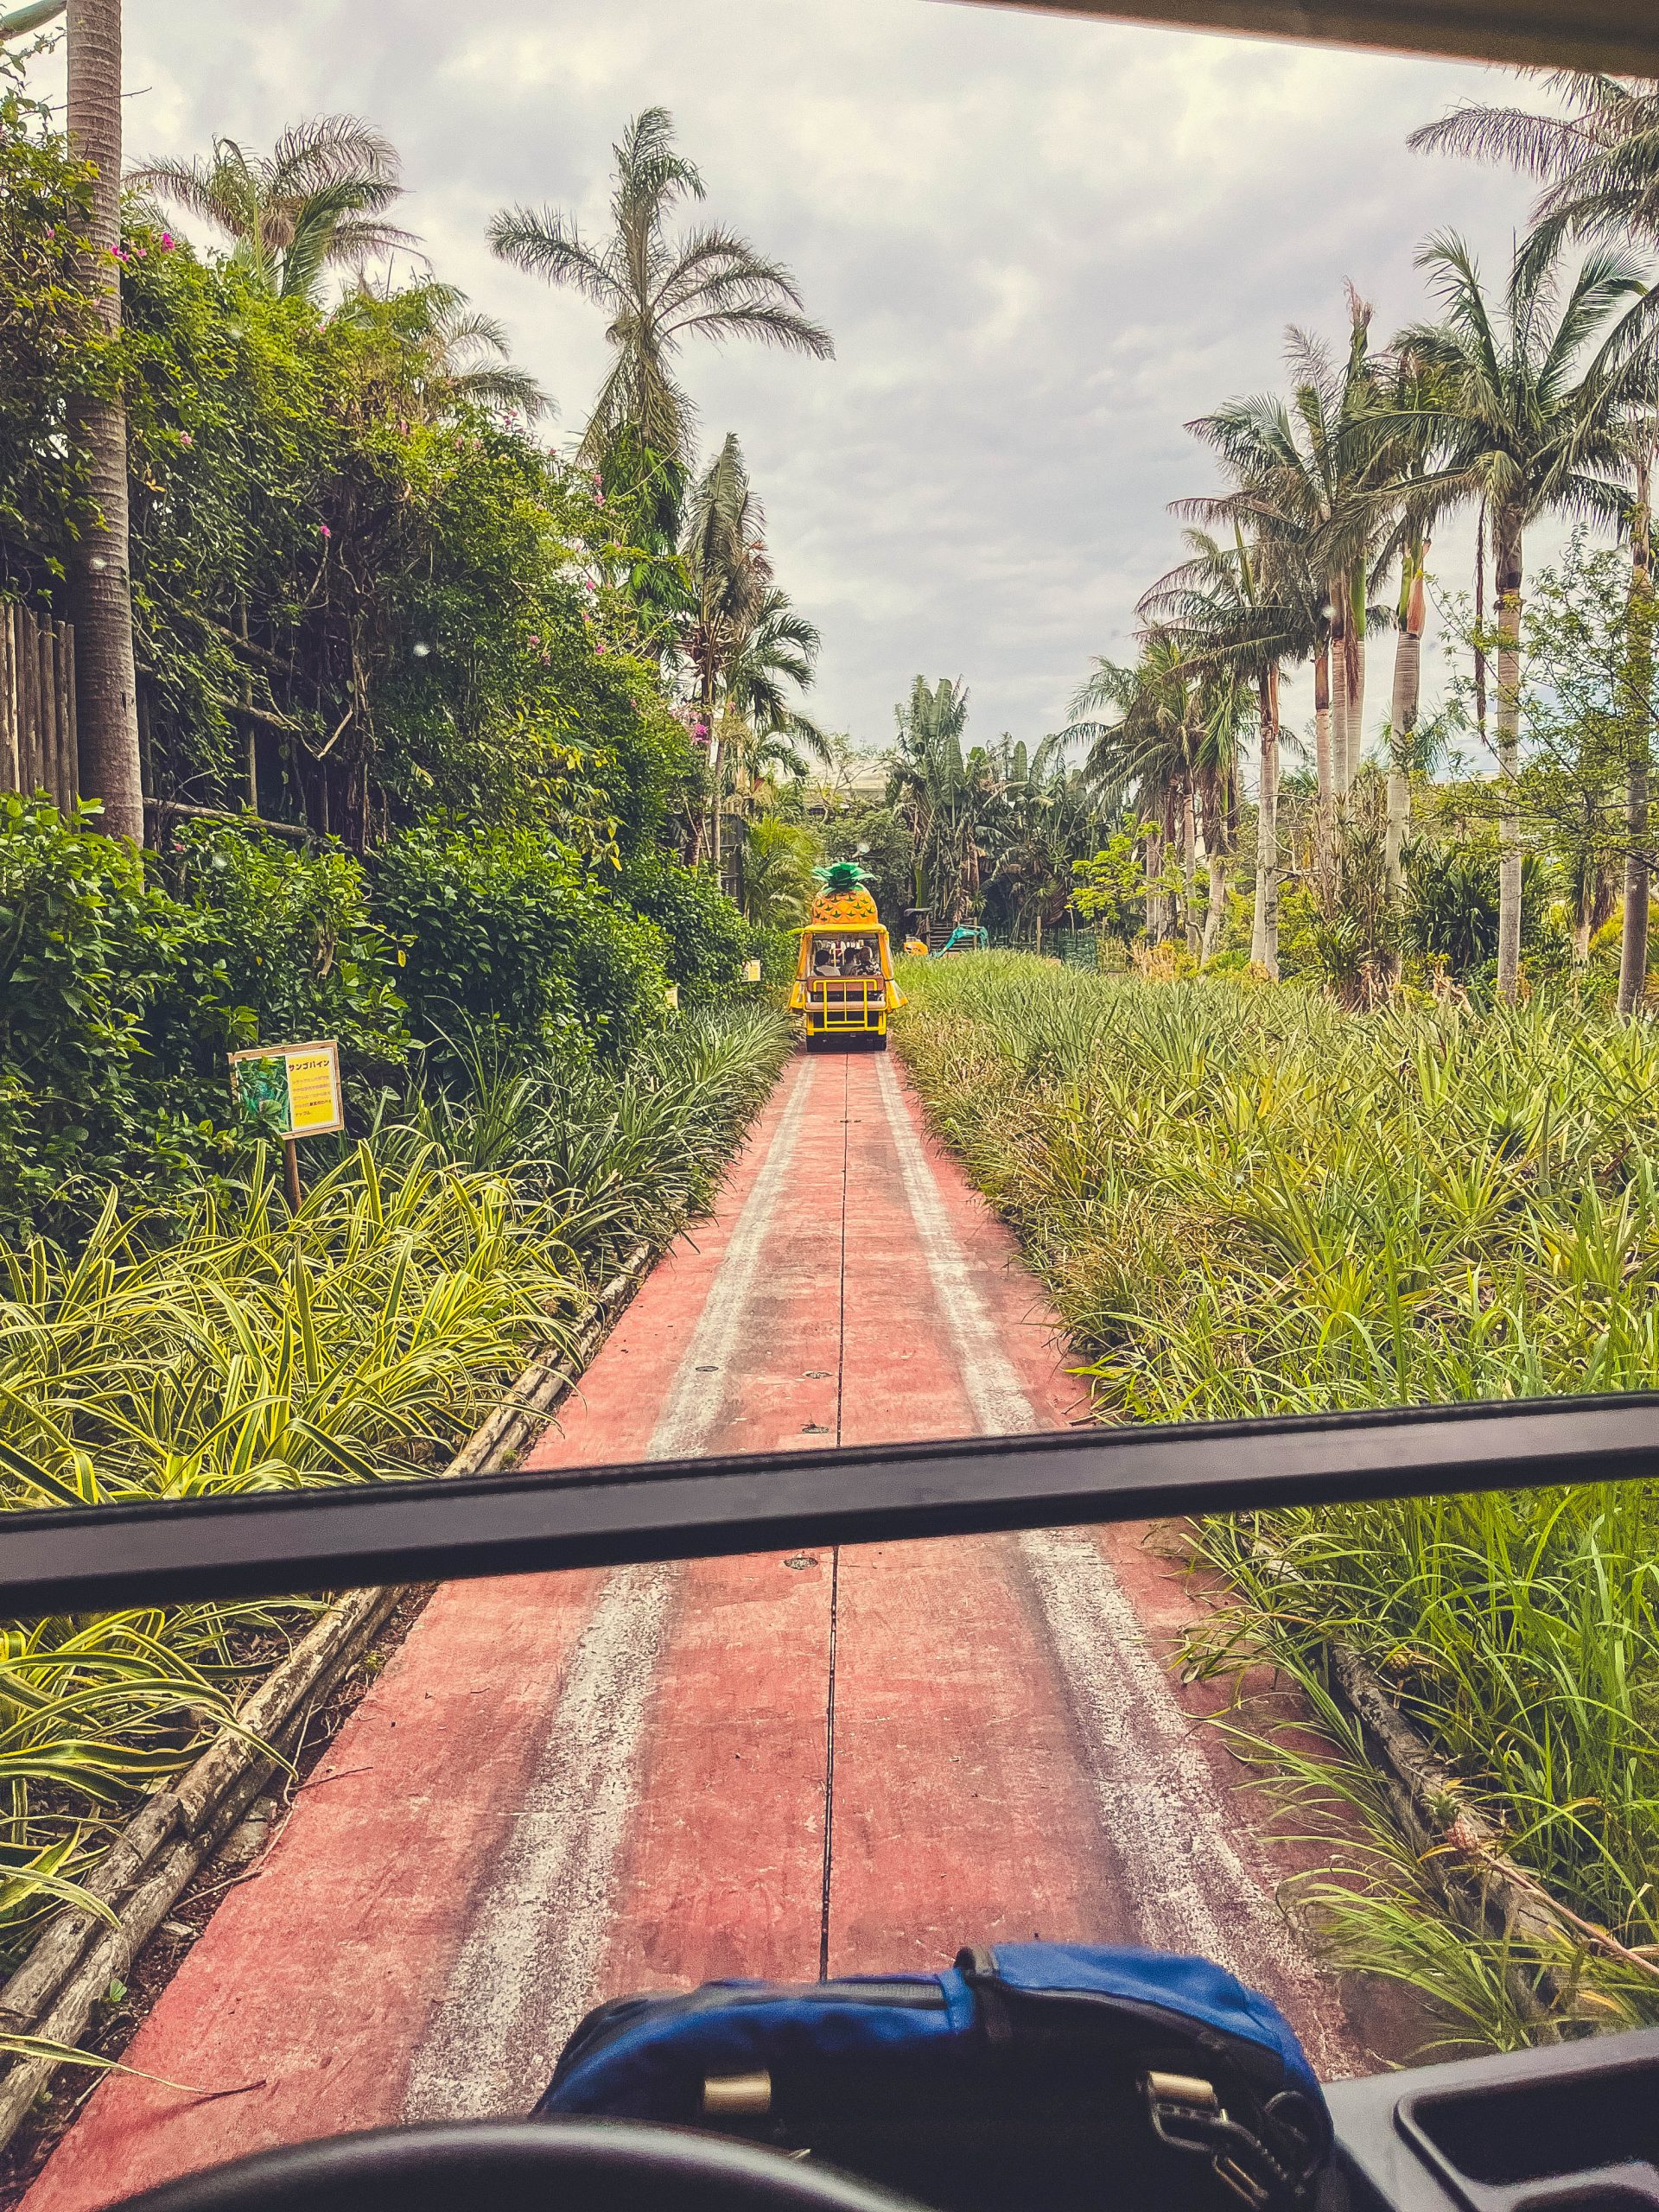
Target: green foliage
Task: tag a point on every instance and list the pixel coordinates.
(406, 562)
(1111, 888)
(50, 340)
(291, 937)
(775, 872)
(1452, 907)
(876, 838)
(228, 1349)
(119, 999)
(778, 952)
(91, 953)
(1250, 1202)
(705, 939)
(503, 931)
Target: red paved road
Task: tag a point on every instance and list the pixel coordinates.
(564, 1787)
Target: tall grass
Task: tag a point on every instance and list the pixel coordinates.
(224, 1346)
(1246, 1202)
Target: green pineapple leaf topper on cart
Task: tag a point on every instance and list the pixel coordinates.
(841, 876)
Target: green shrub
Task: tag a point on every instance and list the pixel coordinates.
(775, 861)
(706, 941)
(776, 950)
(92, 955)
(504, 932)
(289, 935)
(1452, 906)
(618, 974)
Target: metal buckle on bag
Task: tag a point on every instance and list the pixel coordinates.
(1187, 2114)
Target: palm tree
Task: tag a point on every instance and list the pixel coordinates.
(1639, 685)
(449, 355)
(747, 645)
(106, 702)
(1598, 161)
(18, 23)
(1151, 731)
(780, 650)
(766, 732)
(1411, 618)
(658, 291)
(774, 873)
(1306, 470)
(317, 200)
(1534, 412)
(939, 795)
(729, 575)
(1042, 816)
(1240, 613)
(1404, 458)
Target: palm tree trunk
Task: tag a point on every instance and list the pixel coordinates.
(1264, 927)
(1213, 841)
(1190, 872)
(1506, 559)
(1322, 743)
(1633, 942)
(1480, 624)
(1355, 647)
(1154, 894)
(1402, 719)
(1338, 691)
(106, 691)
(1215, 914)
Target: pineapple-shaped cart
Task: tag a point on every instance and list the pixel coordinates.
(843, 978)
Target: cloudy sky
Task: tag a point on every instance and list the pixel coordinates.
(1041, 245)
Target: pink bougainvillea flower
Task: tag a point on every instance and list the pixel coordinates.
(600, 647)
(324, 530)
(185, 438)
(536, 638)
(167, 241)
(591, 585)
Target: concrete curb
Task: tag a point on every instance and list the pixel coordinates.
(53, 1991)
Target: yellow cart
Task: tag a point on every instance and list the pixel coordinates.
(843, 978)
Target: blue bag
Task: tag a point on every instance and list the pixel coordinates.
(1048, 2074)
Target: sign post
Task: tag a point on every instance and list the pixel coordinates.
(298, 1085)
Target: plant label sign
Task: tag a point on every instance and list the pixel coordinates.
(300, 1082)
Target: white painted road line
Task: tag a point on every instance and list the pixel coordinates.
(693, 1405)
(527, 1970)
(1190, 1889)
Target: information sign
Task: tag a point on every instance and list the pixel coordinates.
(299, 1082)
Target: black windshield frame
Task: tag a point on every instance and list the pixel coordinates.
(95, 1559)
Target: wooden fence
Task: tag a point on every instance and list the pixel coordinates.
(37, 706)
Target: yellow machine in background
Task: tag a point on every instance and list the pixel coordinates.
(843, 979)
